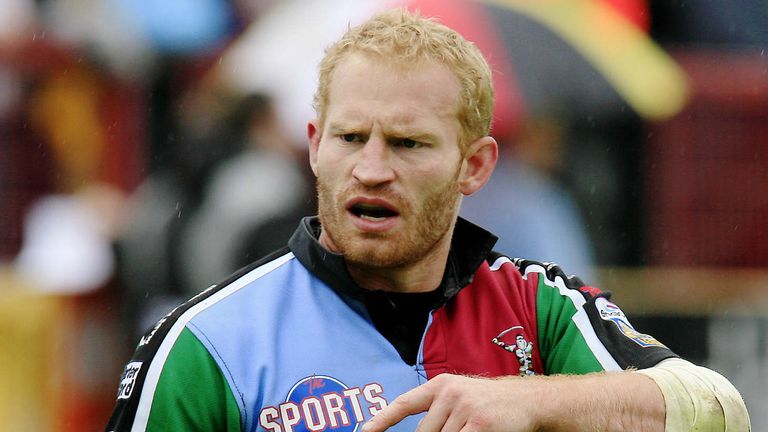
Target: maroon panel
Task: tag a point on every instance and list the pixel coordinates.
(460, 339)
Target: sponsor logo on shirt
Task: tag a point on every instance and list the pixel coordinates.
(320, 403)
(128, 380)
(610, 312)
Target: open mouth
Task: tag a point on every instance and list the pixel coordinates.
(372, 212)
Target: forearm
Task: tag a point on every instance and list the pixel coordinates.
(618, 401)
(648, 400)
(614, 401)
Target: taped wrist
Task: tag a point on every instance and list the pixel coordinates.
(698, 398)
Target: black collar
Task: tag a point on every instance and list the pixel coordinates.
(470, 246)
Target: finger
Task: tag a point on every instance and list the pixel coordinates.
(411, 402)
(436, 418)
(455, 423)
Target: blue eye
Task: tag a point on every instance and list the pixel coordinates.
(349, 137)
(409, 143)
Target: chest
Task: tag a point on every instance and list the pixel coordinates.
(311, 361)
(489, 329)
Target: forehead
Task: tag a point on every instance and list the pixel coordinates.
(366, 85)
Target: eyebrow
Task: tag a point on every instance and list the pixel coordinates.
(391, 133)
(339, 127)
(416, 136)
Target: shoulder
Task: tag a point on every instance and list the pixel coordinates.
(180, 316)
(175, 336)
(541, 273)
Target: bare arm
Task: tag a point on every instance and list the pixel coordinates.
(616, 401)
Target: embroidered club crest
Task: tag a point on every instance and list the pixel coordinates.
(513, 340)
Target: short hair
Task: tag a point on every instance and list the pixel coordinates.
(401, 36)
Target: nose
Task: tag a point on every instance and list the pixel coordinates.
(373, 165)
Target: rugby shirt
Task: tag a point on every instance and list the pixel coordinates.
(291, 343)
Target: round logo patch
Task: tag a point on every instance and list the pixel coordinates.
(324, 405)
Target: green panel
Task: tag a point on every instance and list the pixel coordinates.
(563, 347)
(192, 394)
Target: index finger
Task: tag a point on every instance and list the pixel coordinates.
(411, 402)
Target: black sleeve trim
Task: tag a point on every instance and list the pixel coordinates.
(630, 348)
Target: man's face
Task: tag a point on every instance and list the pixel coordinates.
(387, 161)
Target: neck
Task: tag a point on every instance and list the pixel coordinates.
(424, 275)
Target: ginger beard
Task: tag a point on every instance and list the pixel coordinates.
(426, 223)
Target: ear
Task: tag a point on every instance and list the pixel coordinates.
(479, 161)
(313, 136)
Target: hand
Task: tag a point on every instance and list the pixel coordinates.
(461, 403)
(614, 401)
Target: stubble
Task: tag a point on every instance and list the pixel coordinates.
(426, 225)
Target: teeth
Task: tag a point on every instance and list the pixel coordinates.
(372, 218)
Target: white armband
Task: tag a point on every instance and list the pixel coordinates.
(698, 398)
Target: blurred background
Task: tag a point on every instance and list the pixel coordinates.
(148, 149)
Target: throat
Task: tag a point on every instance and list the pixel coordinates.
(420, 276)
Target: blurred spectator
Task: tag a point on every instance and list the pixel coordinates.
(263, 182)
(75, 109)
(67, 241)
(201, 223)
(525, 205)
(71, 150)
